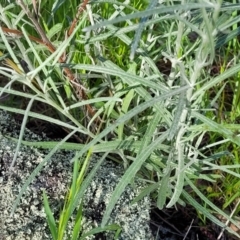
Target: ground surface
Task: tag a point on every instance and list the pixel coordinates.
(28, 221)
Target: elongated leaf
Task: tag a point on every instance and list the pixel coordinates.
(145, 192)
(87, 181)
(112, 227)
(50, 218)
(219, 128)
(78, 222)
(180, 177)
(129, 115)
(140, 29)
(215, 81)
(150, 12)
(46, 118)
(101, 147)
(205, 211)
(112, 69)
(54, 30)
(163, 190)
(23, 125)
(129, 175)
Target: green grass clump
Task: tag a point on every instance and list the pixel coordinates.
(106, 85)
(58, 230)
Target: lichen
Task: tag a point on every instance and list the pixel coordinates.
(28, 221)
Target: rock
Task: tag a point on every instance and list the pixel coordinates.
(28, 221)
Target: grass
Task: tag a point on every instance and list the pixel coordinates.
(70, 201)
(103, 85)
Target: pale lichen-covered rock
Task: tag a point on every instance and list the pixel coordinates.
(28, 221)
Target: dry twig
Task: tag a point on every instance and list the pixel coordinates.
(80, 10)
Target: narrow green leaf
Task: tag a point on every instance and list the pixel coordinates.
(205, 200)
(163, 189)
(180, 177)
(206, 213)
(129, 115)
(177, 116)
(215, 81)
(145, 192)
(125, 106)
(23, 125)
(139, 31)
(112, 227)
(219, 128)
(129, 175)
(86, 182)
(77, 225)
(150, 12)
(112, 69)
(148, 136)
(54, 30)
(50, 218)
